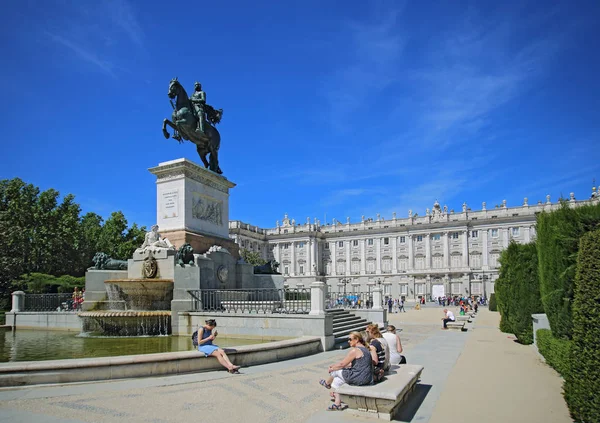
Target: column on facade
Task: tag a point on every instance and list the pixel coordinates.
(485, 248)
(427, 251)
(378, 251)
(411, 254)
(293, 259)
(447, 289)
(316, 256)
(505, 238)
(333, 246)
(445, 241)
(465, 250)
(309, 262)
(348, 263)
(277, 255)
(527, 234)
(394, 241)
(363, 257)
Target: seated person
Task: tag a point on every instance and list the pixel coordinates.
(448, 317)
(394, 344)
(206, 336)
(355, 369)
(379, 344)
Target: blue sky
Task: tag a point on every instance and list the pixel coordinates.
(331, 109)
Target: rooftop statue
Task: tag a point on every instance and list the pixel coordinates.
(194, 120)
(153, 241)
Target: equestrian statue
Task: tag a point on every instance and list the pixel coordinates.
(195, 121)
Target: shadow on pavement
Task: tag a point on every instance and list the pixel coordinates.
(415, 399)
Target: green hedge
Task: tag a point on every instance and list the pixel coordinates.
(555, 351)
(558, 235)
(493, 305)
(517, 290)
(582, 383)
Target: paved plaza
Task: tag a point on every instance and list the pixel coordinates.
(478, 375)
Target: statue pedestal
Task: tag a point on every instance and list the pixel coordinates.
(192, 206)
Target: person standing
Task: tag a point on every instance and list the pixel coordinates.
(390, 303)
(402, 305)
(448, 317)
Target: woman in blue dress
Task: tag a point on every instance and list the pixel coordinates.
(206, 336)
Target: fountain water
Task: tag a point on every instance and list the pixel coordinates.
(137, 307)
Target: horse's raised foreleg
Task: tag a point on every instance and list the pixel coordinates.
(164, 128)
(176, 135)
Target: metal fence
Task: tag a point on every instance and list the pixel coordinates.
(51, 302)
(353, 300)
(252, 301)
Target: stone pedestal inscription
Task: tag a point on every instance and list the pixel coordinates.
(169, 204)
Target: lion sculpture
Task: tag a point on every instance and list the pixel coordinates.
(185, 255)
(269, 268)
(103, 262)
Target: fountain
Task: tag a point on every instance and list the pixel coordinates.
(149, 295)
(137, 307)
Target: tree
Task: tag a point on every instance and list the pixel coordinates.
(252, 257)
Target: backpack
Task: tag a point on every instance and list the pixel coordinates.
(195, 339)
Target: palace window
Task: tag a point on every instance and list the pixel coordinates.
(403, 264)
(286, 270)
(301, 245)
(301, 270)
(494, 259)
(386, 265)
(404, 289)
(456, 261)
(286, 246)
(494, 233)
(419, 263)
(419, 238)
(327, 246)
(341, 244)
(370, 266)
(516, 231)
(341, 267)
(370, 241)
(386, 241)
(474, 234)
(476, 260)
(355, 243)
(402, 239)
(436, 237)
(454, 235)
(437, 262)
(355, 266)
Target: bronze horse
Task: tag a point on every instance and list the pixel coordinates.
(185, 124)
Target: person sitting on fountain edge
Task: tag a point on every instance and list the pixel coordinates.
(206, 336)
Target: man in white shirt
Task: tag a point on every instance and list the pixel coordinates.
(448, 317)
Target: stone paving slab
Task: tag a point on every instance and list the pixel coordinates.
(289, 390)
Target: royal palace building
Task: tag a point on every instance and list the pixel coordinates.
(442, 252)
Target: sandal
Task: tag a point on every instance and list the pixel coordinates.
(335, 407)
(234, 371)
(324, 383)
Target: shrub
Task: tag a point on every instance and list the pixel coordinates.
(558, 236)
(493, 305)
(582, 384)
(555, 351)
(524, 294)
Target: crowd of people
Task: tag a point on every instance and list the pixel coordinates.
(371, 355)
(74, 303)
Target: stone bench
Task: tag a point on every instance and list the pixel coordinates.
(456, 325)
(463, 319)
(385, 398)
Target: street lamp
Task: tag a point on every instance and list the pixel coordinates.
(345, 281)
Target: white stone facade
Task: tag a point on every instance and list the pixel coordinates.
(442, 251)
